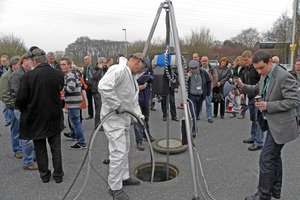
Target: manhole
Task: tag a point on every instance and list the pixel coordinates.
(143, 172)
(175, 146)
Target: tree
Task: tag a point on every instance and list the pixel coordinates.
(95, 48)
(281, 34)
(199, 41)
(11, 45)
(248, 37)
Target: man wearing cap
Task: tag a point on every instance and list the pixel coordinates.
(199, 87)
(39, 100)
(119, 92)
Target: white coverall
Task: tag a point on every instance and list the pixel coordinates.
(118, 87)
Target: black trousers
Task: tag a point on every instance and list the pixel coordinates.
(42, 156)
(89, 96)
(172, 104)
(98, 104)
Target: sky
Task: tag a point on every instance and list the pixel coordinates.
(53, 25)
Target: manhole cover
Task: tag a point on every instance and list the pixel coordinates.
(175, 146)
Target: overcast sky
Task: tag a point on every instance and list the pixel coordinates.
(53, 25)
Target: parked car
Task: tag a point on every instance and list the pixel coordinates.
(213, 63)
(288, 67)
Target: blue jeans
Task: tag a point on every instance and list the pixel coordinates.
(270, 168)
(14, 133)
(7, 113)
(256, 132)
(27, 145)
(139, 133)
(208, 106)
(76, 126)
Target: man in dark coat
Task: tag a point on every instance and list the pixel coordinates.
(39, 100)
(199, 87)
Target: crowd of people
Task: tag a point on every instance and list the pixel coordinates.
(126, 86)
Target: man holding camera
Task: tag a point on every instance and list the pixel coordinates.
(279, 98)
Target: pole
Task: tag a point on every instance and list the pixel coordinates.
(184, 96)
(124, 29)
(293, 45)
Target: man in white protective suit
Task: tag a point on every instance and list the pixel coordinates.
(119, 92)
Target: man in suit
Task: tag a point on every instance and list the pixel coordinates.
(279, 98)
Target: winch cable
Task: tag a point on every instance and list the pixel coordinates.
(203, 177)
(89, 153)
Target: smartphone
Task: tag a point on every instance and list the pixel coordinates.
(257, 98)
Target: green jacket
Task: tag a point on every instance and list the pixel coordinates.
(5, 94)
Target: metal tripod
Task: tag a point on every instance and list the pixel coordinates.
(168, 5)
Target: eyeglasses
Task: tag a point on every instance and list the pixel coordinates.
(137, 58)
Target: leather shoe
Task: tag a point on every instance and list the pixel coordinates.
(164, 119)
(222, 117)
(131, 181)
(210, 121)
(58, 179)
(45, 180)
(276, 196)
(89, 117)
(106, 161)
(254, 147)
(249, 141)
(175, 119)
(194, 134)
(140, 147)
(256, 197)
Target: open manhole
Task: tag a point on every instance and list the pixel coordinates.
(175, 146)
(143, 172)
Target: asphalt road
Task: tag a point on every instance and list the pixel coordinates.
(230, 170)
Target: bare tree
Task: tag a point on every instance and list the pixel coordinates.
(11, 45)
(248, 37)
(199, 41)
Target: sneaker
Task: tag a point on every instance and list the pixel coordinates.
(210, 121)
(19, 155)
(68, 135)
(77, 146)
(131, 181)
(140, 147)
(32, 166)
(118, 194)
(7, 124)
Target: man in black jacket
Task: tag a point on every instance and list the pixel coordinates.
(96, 73)
(89, 94)
(39, 100)
(199, 87)
(251, 77)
